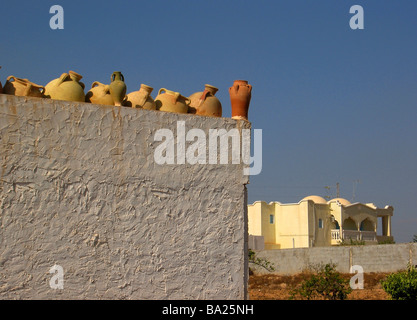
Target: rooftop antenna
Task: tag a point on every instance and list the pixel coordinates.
(355, 182)
(328, 189)
(329, 196)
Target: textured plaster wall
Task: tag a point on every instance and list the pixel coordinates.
(79, 188)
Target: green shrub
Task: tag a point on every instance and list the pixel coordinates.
(352, 242)
(388, 241)
(402, 285)
(326, 284)
(260, 261)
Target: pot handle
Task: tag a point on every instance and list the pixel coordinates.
(250, 88)
(95, 83)
(11, 77)
(113, 77)
(62, 78)
(187, 101)
(162, 89)
(204, 95)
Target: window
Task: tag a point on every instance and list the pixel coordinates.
(320, 223)
(271, 218)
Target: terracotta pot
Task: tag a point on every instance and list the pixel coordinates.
(141, 98)
(99, 94)
(22, 87)
(66, 87)
(117, 88)
(171, 101)
(205, 103)
(240, 95)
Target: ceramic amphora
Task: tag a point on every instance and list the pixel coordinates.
(240, 95)
(171, 101)
(117, 88)
(67, 87)
(141, 98)
(99, 94)
(205, 103)
(22, 87)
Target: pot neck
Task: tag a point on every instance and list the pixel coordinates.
(117, 75)
(75, 76)
(146, 88)
(211, 89)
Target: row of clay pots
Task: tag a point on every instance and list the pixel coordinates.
(69, 87)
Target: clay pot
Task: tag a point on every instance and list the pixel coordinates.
(66, 87)
(117, 88)
(240, 95)
(22, 87)
(141, 98)
(171, 101)
(99, 94)
(205, 103)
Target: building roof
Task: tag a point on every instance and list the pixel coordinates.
(342, 201)
(315, 199)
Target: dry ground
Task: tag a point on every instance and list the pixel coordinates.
(276, 287)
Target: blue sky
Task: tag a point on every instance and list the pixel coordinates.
(334, 104)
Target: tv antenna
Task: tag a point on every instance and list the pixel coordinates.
(329, 193)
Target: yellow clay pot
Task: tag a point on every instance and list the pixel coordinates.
(171, 101)
(22, 87)
(141, 98)
(66, 87)
(205, 103)
(99, 94)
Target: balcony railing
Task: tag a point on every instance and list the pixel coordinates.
(336, 234)
(352, 234)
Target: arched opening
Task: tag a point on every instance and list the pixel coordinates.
(367, 225)
(334, 223)
(349, 224)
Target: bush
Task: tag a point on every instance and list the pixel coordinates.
(402, 285)
(352, 242)
(386, 242)
(326, 284)
(260, 261)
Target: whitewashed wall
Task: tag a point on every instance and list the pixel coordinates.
(79, 188)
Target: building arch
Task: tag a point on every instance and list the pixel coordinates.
(349, 224)
(334, 222)
(367, 225)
